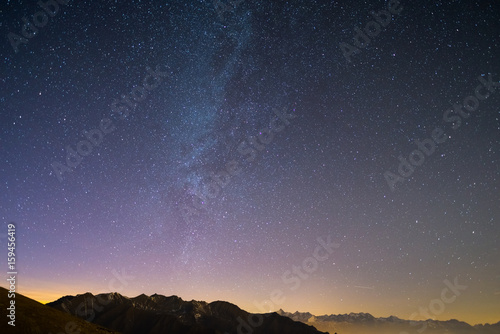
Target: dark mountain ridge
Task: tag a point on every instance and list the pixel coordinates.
(160, 314)
(33, 317)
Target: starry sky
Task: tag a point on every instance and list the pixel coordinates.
(201, 148)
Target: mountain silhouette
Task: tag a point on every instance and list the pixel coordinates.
(159, 314)
(33, 317)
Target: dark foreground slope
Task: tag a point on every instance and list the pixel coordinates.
(159, 314)
(34, 318)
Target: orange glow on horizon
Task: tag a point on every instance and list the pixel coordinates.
(485, 314)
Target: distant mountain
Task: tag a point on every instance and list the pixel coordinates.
(159, 314)
(365, 323)
(33, 317)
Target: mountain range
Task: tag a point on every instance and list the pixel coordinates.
(157, 314)
(32, 317)
(112, 313)
(365, 323)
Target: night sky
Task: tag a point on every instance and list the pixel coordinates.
(201, 148)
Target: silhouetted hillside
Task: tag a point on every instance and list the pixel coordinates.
(35, 318)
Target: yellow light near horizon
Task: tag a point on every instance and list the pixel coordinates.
(41, 296)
